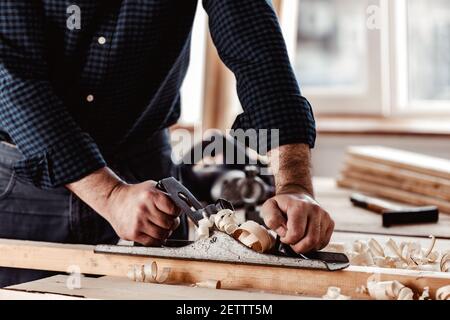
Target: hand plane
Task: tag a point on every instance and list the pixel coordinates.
(220, 247)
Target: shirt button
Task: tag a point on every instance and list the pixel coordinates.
(90, 98)
(101, 40)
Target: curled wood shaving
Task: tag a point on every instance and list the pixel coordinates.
(444, 265)
(210, 284)
(430, 249)
(406, 255)
(148, 273)
(254, 236)
(334, 293)
(376, 248)
(388, 290)
(443, 293)
(250, 233)
(225, 220)
(204, 226)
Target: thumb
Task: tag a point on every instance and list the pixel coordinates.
(273, 217)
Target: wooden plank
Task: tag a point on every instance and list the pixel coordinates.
(313, 283)
(403, 159)
(394, 194)
(117, 288)
(351, 219)
(6, 294)
(398, 178)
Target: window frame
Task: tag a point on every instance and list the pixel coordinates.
(401, 105)
(387, 68)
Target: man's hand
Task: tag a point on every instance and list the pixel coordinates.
(299, 221)
(293, 213)
(139, 212)
(142, 213)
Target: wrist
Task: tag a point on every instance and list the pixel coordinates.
(112, 198)
(99, 190)
(294, 188)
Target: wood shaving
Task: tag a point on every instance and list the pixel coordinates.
(254, 236)
(210, 284)
(334, 293)
(443, 293)
(203, 229)
(405, 255)
(425, 294)
(388, 290)
(225, 221)
(148, 273)
(444, 265)
(250, 233)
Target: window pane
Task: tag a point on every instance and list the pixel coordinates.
(429, 49)
(331, 43)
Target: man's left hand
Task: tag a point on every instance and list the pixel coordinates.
(299, 221)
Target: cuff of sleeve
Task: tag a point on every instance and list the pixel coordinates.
(63, 163)
(290, 125)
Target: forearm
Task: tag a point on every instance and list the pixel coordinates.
(96, 189)
(291, 165)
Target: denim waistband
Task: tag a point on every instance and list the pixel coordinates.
(9, 154)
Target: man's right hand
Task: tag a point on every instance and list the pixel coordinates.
(142, 213)
(139, 212)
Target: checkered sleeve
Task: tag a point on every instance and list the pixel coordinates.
(56, 151)
(250, 42)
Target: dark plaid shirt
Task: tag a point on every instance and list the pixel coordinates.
(70, 98)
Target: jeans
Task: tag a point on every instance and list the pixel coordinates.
(29, 213)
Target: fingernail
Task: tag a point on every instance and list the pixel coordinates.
(281, 231)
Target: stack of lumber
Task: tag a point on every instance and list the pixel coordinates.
(398, 175)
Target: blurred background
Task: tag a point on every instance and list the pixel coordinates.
(377, 72)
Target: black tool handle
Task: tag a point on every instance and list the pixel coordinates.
(412, 216)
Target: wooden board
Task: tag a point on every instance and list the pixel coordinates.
(351, 219)
(116, 288)
(312, 283)
(397, 178)
(403, 159)
(394, 194)
(6, 294)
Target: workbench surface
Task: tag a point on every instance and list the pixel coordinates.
(351, 224)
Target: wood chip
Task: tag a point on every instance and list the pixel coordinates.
(443, 293)
(425, 294)
(148, 273)
(210, 284)
(254, 236)
(444, 265)
(388, 290)
(406, 255)
(334, 293)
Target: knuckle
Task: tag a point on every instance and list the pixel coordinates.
(146, 196)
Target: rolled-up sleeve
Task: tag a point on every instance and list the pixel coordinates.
(250, 42)
(56, 151)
